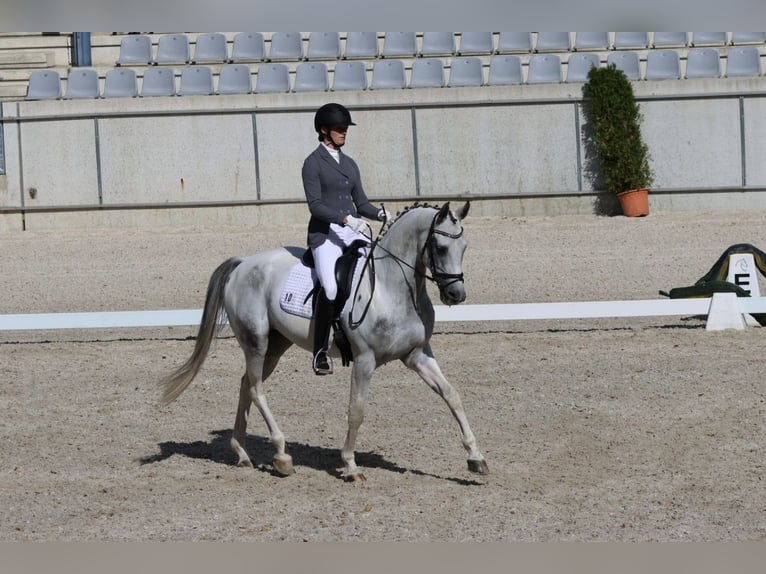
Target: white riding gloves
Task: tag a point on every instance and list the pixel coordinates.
(357, 224)
(384, 215)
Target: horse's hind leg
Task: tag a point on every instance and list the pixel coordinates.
(259, 367)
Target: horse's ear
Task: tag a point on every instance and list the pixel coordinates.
(443, 213)
(464, 210)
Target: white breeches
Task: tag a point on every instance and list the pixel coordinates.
(327, 254)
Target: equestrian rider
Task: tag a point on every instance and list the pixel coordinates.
(337, 202)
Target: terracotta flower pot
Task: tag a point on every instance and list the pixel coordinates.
(634, 202)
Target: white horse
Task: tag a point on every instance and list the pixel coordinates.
(393, 318)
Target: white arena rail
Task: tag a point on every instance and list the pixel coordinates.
(726, 307)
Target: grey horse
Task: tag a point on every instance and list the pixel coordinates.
(389, 316)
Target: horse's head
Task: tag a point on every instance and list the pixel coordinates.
(445, 247)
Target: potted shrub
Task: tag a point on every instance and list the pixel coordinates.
(616, 127)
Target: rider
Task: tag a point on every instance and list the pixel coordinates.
(336, 200)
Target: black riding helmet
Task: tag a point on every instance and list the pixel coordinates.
(331, 115)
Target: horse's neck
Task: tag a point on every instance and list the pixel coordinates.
(404, 244)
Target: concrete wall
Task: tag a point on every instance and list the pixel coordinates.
(515, 150)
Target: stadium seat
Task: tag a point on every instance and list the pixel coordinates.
(748, 38)
(663, 65)
(248, 47)
(628, 62)
(173, 49)
(427, 73)
(135, 49)
(120, 83)
(196, 80)
(324, 45)
(508, 42)
(743, 61)
(708, 39)
(211, 48)
(311, 77)
(703, 63)
(504, 70)
(388, 74)
(350, 75)
(235, 79)
(579, 64)
(399, 44)
(553, 42)
(158, 82)
(466, 71)
(544, 69)
(438, 44)
(361, 45)
(631, 40)
(286, 46)
(82, 83)
(476, 43)
(670, 39)
(272, 78)
(44, 85)
(591, 41)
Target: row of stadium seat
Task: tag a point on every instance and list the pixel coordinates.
(274, 77)
(252, 46)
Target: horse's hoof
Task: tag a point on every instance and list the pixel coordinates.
(355, 477)
(478, 466)
(283, 463)
(245, 463)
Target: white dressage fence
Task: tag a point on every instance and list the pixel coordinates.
(724, 311)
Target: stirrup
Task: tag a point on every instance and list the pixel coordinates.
(324, 368)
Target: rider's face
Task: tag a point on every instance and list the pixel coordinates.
(337, 135)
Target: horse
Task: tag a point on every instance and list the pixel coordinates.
(394, 320)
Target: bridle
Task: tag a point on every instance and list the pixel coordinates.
(442, 280)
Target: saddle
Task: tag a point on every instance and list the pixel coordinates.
(344, 278)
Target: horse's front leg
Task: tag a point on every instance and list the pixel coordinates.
(361, 372)
(424, 364)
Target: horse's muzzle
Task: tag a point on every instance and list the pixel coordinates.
(452, 292)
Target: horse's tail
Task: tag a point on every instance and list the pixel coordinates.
(213, 320)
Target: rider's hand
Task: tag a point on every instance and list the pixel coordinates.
(384, 215)
(357, 224)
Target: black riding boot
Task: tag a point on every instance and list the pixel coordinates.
(324, 313)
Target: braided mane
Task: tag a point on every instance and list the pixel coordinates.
(404, 211)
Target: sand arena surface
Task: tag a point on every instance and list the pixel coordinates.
(616, 429)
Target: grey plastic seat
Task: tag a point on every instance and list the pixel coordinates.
(235, 79)
(628, 62)
(579, 64)
(388, 74)
(504, 70)
(663, 65)
(43, 85)
(324, 45)
(631, 40)
(399, 44)
(286, 46)
(173, 49)
(437, 44)
(248, 47)
(196, 80)
(272, 78)
(211, 48)
(748, 38)
(361, 45)
(591, 41)
(82, 83)
(508, 42)
(120, 83)
(350, 75)
(553, 42)
(708, 38)
(475, 43)
(544, 69)
(135, 49)
(743, 61)
(427, 73)
(670, 39)
(311, 77)
(158, 82)
(703, 63)
(466, 71)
